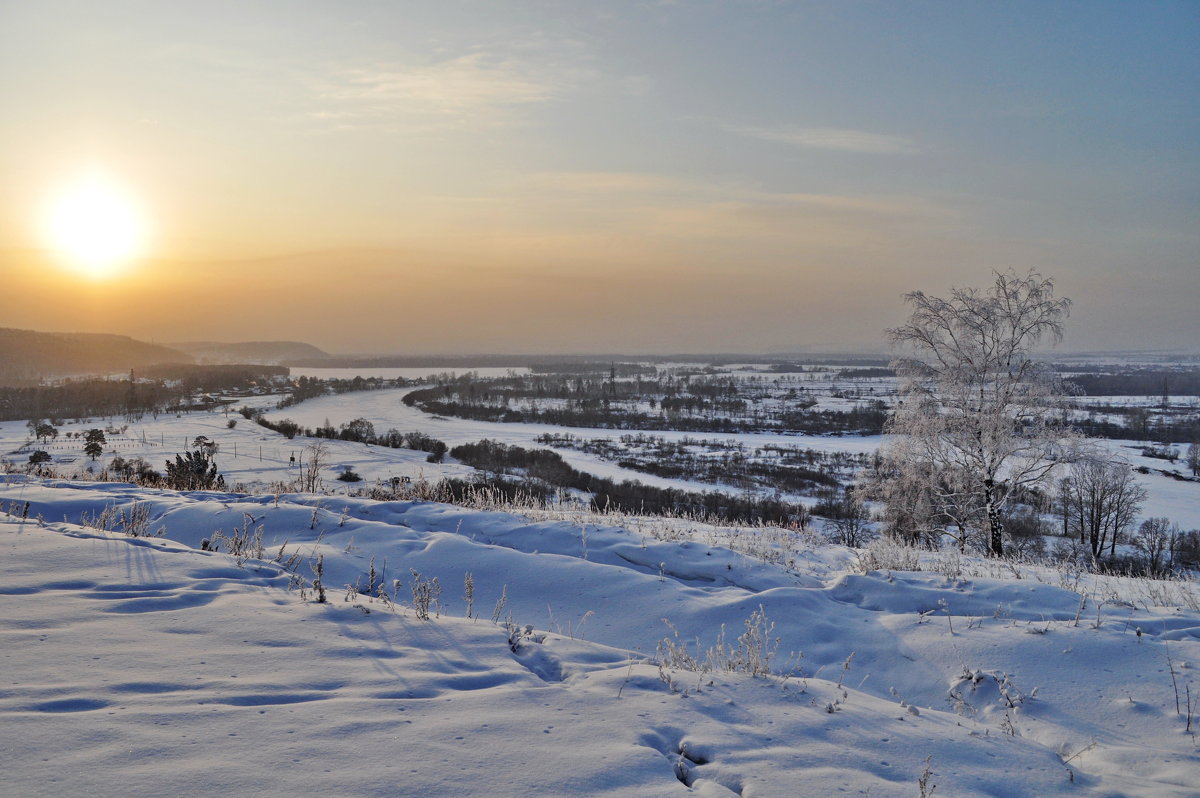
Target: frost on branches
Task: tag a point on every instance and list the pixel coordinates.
(980, 419)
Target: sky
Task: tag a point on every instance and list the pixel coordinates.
(641, 177)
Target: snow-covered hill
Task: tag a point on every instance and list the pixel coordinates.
(147, 666)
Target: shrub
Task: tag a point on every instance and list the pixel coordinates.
(1026, 533)
(888, 555)
(192, 471)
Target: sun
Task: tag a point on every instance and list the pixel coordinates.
(95, 226)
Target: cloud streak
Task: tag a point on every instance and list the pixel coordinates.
(830, 138)
(477, 87)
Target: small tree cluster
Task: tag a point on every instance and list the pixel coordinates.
(1165, 547)
(1098, 501)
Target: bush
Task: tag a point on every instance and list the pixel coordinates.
(134, 470)
(888, 555)
(1026, 533)
(349, 475)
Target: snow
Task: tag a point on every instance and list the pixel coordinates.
(146, 666)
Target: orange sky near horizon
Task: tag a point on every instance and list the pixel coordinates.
(537, 178)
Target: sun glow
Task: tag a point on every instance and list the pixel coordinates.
(95, 226)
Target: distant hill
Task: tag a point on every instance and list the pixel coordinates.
(257, 352)
(28, 356)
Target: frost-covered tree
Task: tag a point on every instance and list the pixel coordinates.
(923, 503)
(975, 403)
(1193, 459)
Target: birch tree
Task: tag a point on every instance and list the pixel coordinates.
(974, 401)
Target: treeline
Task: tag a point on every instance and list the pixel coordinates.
(857, 421)
(542, 473)
(866, 373)
(169, 390)
(213, 379)
(85, 398)
(312, 387)
(1137, 423)
(1139, 382)
(823, 364)
(359, 430)
(303, 388)
(612, 368)
(719, 462)
(706, 404)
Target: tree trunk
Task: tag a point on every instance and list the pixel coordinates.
(995, 527)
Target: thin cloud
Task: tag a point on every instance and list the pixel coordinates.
(831, 138)
(694, 191)
(619, 182)
(477, 87)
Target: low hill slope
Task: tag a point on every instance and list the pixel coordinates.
(263, 352)
(27, 355)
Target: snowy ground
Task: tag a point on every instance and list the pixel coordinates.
(145, 666)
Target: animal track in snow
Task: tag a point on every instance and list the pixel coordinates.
(686, 759)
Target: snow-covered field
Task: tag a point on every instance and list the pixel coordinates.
(257, 457)
(149, 666)
(146, 666)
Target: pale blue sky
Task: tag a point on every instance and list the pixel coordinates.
(687, 176)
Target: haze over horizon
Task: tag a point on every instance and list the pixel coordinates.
(538, 177)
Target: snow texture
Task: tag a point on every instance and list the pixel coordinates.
(146, 666)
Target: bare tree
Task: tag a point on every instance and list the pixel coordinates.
(848, 524)
(1193, 459)
(1099, 500)
(975, 402)
(1154, 538)
(314, 457)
